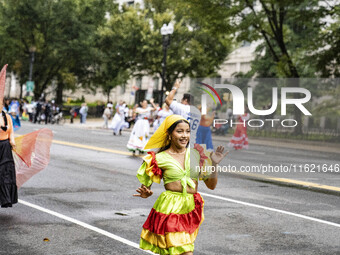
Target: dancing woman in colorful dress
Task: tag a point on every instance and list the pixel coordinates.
(174, 220)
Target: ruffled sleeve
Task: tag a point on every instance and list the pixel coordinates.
(149, 171)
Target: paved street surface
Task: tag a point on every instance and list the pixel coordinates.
(82, 203)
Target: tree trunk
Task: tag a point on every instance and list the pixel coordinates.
(60, 88)
(108, 94)
(297, 112)
(20, 91)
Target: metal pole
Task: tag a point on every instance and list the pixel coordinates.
(165, 45)
(31, 66)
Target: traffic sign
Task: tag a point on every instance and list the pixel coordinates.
(29, 86)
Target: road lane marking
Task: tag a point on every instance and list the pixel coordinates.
(272, 209)
(254, 152)
(83, 224)
(89, 147)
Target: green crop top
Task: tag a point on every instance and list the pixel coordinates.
(163, 165)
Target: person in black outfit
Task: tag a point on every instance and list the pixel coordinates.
(8, 187)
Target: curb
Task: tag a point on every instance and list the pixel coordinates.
(289, 183)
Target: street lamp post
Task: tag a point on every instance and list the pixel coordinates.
(30, 83)
(166, 31)
(32, 51)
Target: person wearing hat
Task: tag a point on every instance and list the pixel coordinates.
(174, 220)
(107, 114)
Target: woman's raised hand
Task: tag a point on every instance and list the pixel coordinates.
(177, 83)
(218, 155)
(144, 192)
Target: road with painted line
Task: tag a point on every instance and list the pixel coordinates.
(82, 204)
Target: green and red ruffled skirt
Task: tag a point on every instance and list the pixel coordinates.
(173, 223)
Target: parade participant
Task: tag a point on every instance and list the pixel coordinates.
(14, 114)
(240, 137)
(107, 115)
(165, 112)
(6, 105)
(185, 109)
(203, 135)
(174, 221)
(8, 187)
(31, 154)
(161, 115)
(140, 132)
(118, 121)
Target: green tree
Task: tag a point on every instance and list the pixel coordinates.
(193, 51)
(119, 43)
(134, 41)
(284, 29)
(62, 33)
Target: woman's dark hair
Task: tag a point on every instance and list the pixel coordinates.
(169, 131)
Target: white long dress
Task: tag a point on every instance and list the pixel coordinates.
(118, 121)
(141, 130)
(162, 114)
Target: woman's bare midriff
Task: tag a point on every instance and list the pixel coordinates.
(177, 187)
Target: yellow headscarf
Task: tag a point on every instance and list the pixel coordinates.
(160, 136)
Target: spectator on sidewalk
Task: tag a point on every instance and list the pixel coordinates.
(73, 113)
(83, 111)
(107, 115)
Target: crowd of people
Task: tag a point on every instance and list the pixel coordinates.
(40, 111)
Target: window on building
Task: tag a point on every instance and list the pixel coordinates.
(218, 80)
(156, 83)
(122, 89)
(139, 83)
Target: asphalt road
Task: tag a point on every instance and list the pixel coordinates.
(82, 204)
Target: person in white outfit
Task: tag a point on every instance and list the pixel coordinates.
(118, 120)
(185, 109)
(161, 115)
(107, 114)
(141, 130)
